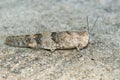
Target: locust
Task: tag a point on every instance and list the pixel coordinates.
(51, 40)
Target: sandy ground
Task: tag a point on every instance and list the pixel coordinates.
(100, 60)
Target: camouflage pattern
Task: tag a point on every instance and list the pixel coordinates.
(50, 40)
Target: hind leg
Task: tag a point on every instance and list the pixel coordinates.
(32, 44)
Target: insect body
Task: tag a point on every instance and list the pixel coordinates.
(50, 40)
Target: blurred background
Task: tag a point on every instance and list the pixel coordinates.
(99, 61)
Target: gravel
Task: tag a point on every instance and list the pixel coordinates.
(100, 60)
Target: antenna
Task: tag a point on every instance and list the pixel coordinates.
(94, 23)
(87, 24)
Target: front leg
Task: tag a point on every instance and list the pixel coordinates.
(78, 47)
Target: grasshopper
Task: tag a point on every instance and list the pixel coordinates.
(51, 40)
